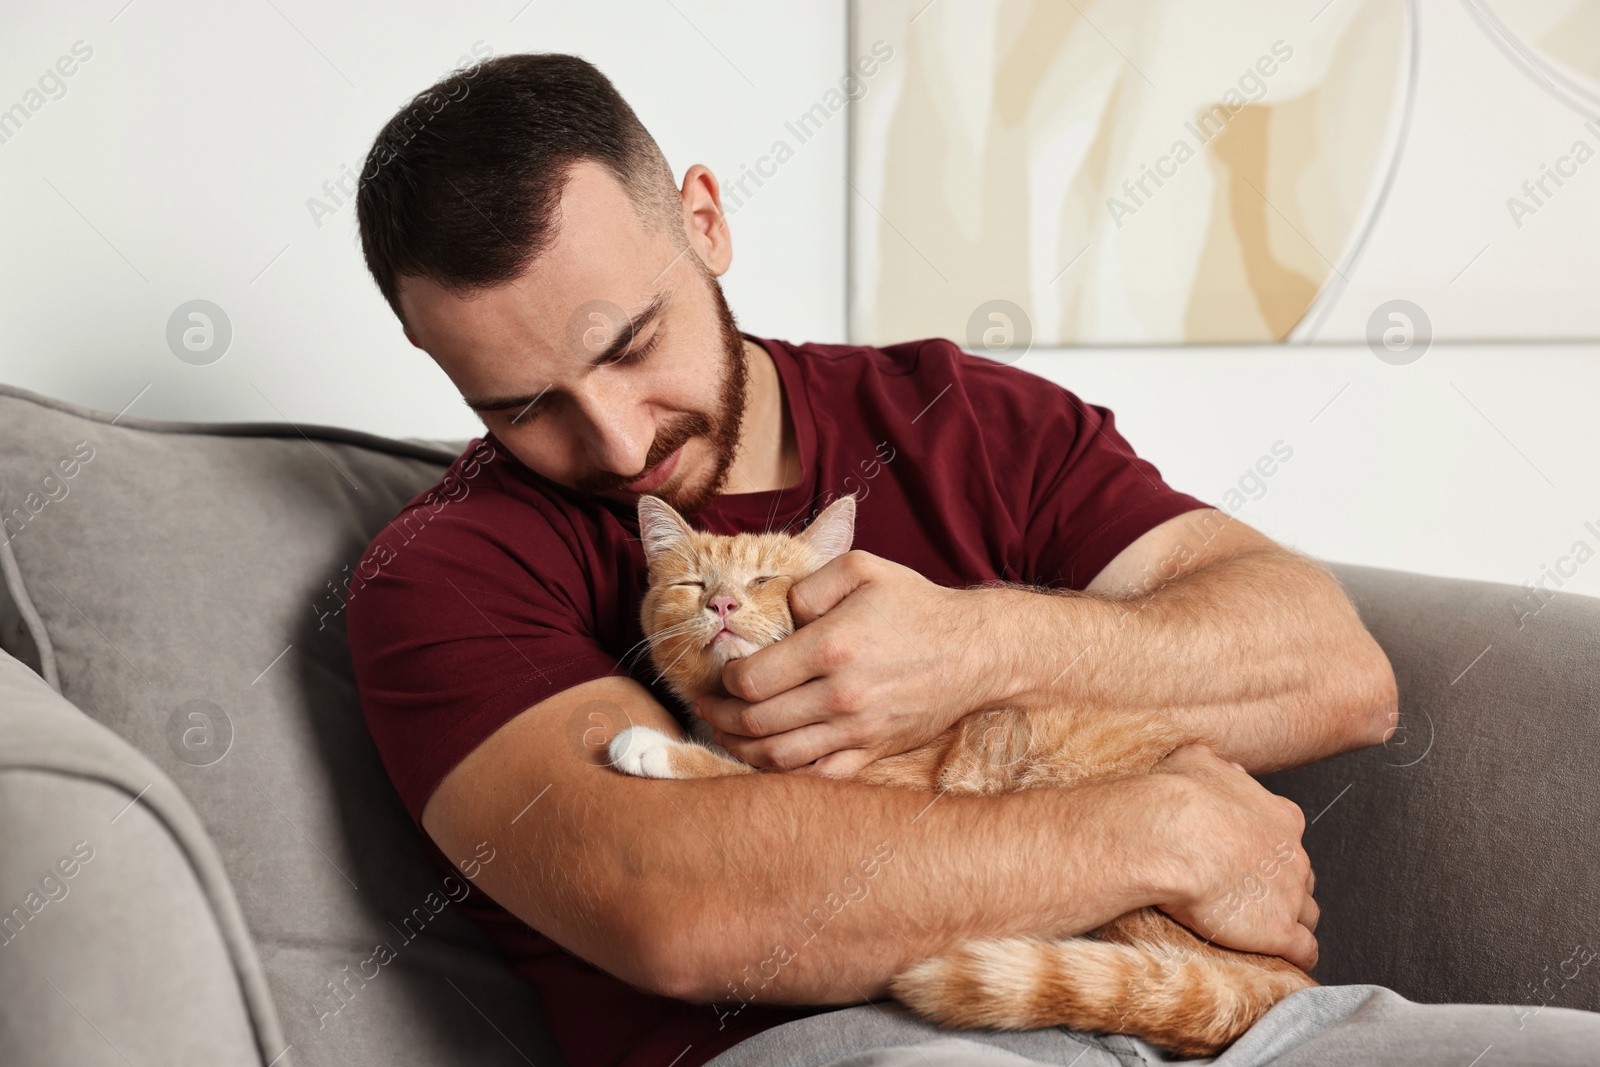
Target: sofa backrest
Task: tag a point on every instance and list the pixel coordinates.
(178, 583)
(1456, 862)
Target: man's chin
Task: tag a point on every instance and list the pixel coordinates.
(689, 497)
(689, 489)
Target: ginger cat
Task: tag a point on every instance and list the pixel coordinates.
(713, 599)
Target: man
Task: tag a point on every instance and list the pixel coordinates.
(531, 239)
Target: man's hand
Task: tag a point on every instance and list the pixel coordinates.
(1237, 850)
(882, 661)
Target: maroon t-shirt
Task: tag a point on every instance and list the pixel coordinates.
(497, 589)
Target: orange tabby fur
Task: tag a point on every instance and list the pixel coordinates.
(1142, 974)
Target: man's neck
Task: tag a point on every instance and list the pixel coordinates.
(768, 455)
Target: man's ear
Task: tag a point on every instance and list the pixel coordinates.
(661, 529)
(413, 340)
(830, 533)
(708, 233)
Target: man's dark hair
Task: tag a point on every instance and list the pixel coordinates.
(462, 184)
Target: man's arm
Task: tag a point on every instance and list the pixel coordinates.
(1252, 646)
(1203, 619)
(808, 890)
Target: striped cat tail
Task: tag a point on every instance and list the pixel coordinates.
(1193, 1001)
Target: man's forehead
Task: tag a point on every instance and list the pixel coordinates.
(602, 266)
(597, 228)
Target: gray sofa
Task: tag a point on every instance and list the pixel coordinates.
(199, 850)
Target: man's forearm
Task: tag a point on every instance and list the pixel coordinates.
(1259, 653)
(806, 890)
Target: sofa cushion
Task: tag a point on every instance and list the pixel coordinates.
(98, 847)
(1456, 863)
(180, 583)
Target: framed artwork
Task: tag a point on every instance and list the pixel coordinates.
(1189, 172)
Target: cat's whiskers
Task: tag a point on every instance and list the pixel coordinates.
(665, 633)
(760, 641)
(662, 672)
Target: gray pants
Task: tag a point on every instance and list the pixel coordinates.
(1328, 1026)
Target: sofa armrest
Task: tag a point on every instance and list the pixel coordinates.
(1457, 862)
(120, 939)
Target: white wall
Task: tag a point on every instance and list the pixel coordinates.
(1446, 236)
(1475, 461)
(179, 161)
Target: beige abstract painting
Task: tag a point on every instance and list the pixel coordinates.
(1171, 171)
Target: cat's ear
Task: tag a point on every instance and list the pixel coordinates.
(830, 533)
(661, 528)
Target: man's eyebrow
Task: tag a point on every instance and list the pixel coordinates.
(619, 344)
(504, 403)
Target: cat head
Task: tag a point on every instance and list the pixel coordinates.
(715, 598)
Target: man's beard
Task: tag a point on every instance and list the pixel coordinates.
(720, 429)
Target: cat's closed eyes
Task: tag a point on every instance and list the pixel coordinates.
(714, 598)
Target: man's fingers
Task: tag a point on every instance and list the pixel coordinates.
(1309, 914)
(786, 751)
(789, 710)
(781, 666)
(843, 764)
(818, 592)
(1303, 951)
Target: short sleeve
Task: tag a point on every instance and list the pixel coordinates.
(458, 633)
(1091, 495)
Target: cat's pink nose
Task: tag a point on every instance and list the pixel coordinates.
(722, 605)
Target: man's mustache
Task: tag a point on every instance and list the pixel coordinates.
(665, 444)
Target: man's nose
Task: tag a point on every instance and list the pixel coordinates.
(619, 435)
(722, 605)
(623, 454)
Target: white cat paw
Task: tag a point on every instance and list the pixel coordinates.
(643, 753)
